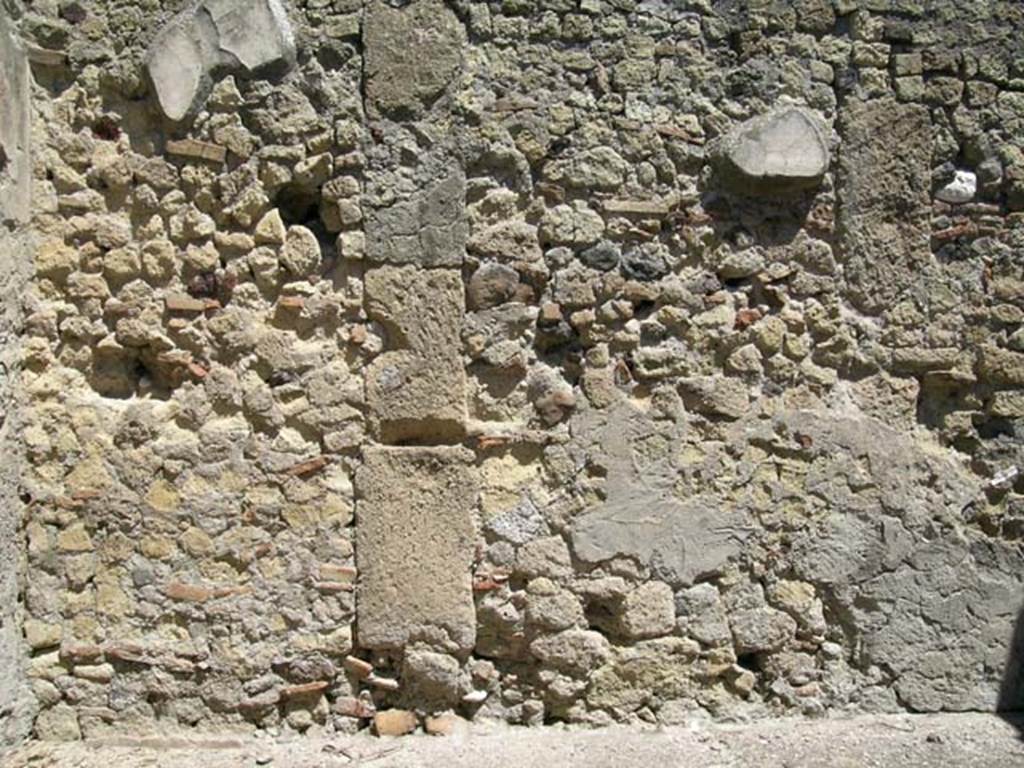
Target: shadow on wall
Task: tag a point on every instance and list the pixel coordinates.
(1011, 693)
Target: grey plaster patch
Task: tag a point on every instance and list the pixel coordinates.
(922, 594)
(680, 540)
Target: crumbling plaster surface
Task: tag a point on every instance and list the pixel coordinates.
(600, 361)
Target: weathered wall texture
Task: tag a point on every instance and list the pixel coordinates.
(543, 360)
(16, 244)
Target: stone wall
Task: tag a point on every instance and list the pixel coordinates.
(539, 360)
(16, 243)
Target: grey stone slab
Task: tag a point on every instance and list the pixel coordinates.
(642, 518)
(883, 218)
(427, 228)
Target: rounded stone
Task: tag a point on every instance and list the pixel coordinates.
(603, 256)
(491, 285)
(644, 265)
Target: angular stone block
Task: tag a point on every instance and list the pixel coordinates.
(883, 221)
(176, 67)
(414, 547)
(427, 228)
(416, 389)
(15, 163)
(412, 54)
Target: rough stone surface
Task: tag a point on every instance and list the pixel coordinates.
(413, 53)
(414, 540)
(416, 387)
(883, 197)
(648, 611)
(427, 228)
(394, 722)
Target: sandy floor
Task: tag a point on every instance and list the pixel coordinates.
(921, 741)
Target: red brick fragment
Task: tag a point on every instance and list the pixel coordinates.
(189, 593)
(308, 467)
(304, 689)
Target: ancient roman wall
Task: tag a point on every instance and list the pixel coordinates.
(538, 360)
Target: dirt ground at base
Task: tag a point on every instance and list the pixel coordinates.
(894, 741)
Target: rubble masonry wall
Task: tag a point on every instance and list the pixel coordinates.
(541, 360)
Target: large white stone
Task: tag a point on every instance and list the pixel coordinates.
(177, 67)
(784, 150)
(960, 190)
(255, 32)
(227, 36)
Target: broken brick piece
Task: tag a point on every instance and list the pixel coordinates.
(636, 207)
(190, 593)
(304, 689)
(81, 653)
(334, 586)
(128, 652)
(349, 706)
(746, 318)
(179, 303)
(308, 467)
(197, 370)
(384, 683)
(342, 573)
(202, 150)
(358, 667)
